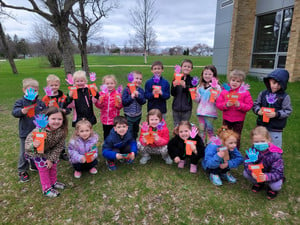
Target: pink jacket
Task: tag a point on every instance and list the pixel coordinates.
(232, 113)
(163, 137)
(109, 105)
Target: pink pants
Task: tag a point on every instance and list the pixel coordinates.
(48, 177)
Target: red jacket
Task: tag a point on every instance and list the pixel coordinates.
(163, 135)
(110, 105)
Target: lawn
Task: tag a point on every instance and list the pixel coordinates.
(154, 193)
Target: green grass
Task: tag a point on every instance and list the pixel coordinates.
(134, 194)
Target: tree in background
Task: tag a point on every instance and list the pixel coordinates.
(142, 18)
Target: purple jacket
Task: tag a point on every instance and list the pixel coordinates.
(272, 162)
(78, 146)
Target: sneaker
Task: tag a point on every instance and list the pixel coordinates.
(51, 193)
(111, 165)
(215, 179)
(181, 164)
(257, 187)
(64, 156)
(33, 168)
(93, 171)
(23, 176)
(227, 176)
(271, 194)
(59, 185)
(145, 159)
(77, 174)
(193, 168)
(168, 160)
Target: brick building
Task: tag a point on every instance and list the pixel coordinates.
(258, 36)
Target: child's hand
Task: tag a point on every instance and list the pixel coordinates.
(36, 143)
(83, 159)
(237, 104)
(175, 83)
(224, 165)
(25, 110)
(262, 177)
(119, 156)
(260, 112)
(221, 154)
(193, 147)
(71, 94)
(156, 137)
(136, 94)
(133, 95)
(132, 156)
(49, 164)
(182, 83)
(229, 103)
(271, 114)
(176, 159)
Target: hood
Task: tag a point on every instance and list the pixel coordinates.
(280, 75)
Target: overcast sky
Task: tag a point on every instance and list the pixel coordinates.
(184, 23)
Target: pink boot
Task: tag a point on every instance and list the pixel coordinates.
(193, 168)
(181, 164)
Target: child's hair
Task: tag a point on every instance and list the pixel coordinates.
(260, 130)
(212, 68)
(157, 63)
(110, 76)
(224, 132)
(120, 120)
(137, 72)
(52, 110)
(187, 61)
(182, 123)
(237, 73)
(80, 74)
(27, 82)
(81, 122)
(52, 78)
(155, 112)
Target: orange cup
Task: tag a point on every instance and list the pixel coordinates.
(40, 136)
(188, 148)
(74, 90)
(266, 110)
(193, 93)
(157, 88)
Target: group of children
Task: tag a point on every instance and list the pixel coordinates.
(220, 151)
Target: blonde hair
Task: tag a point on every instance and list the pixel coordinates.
(110, 76)
(27, 82)
(182, 123)
(260, 130)
(82, 122)
(224, 133)
(137, 72)
(237, 73)
(154, 112)
(80, 74)
(52, 78)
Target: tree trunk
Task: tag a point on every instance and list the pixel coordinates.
(145, 56)
(9, 55)
(83, 51)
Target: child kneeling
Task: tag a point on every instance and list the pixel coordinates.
(221, 155)
(82, 148)
(119, 144)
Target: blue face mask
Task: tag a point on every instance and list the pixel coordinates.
(262, 146)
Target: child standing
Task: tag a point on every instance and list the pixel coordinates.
(25, 109)
(119, 144)
(157, 97)
(177, 146)
(83, 148)
(274, 97)
(109, 103)
(182, 103)
(222, 155)
(264, 153)
(154, 137)
(46, 162)
(83, 105)
(235, 102)
(133, 103)
(207, 110)
(57, 99)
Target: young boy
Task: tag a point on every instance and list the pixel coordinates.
(133, 103)
(25, 109)
(157, 98)
(119, 144)
(278, 100)
(57, 99)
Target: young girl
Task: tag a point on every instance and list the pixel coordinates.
(207, 110)
(182, 103)
(83, 105)
(264, 153)
(82, 148)
(109, 103)
(177, 146)
(46, 162)
(221, 155)
(235, 102)
(154, 137)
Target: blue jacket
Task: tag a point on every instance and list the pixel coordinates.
(114, 141)
(212, 160)
(26, 124)
(160, 102)
(133, 106)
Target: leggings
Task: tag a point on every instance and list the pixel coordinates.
(206, 125)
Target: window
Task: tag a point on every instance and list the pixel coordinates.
(272, 39)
